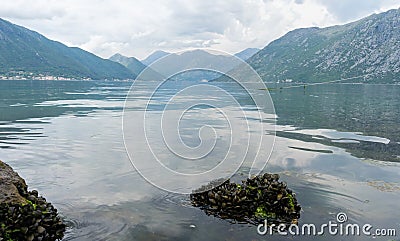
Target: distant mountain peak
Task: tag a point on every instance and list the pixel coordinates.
(132, 63)
(159, 52)
(154, 57)
(117, 55)
(247, 53)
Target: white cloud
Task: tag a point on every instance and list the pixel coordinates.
(136, 28)
(22, 9)
(355, 9)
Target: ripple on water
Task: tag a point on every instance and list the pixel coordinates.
(170, 217)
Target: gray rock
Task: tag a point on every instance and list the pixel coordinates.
(12, 186)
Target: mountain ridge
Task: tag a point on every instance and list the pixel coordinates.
(28, 54)
(368, 47)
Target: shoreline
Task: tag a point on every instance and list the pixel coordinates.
(25, 215)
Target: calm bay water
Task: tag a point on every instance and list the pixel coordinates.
(337, 147)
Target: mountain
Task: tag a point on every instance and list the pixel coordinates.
(28, 53)
(180, 66)
(246, 53)
(196, 62)
(370, 46)
(154, 57)
(133, 64)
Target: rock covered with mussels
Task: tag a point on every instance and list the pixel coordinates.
(24, 215)
(256, 199)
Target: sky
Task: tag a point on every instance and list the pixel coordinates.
(139, 27)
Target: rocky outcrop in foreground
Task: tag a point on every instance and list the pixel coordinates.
(24, 215)
(256, 199)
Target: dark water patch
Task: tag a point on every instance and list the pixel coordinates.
(13, 143)
(23, 100)
(7, 147)
(19, 135)
(371, 109)
(31, 122)
(311, 150)
(362, 149)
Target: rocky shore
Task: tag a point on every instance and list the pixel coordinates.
(24, 215)
(254, 200)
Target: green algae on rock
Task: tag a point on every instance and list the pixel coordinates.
(256, 199)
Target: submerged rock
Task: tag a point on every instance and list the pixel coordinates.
(256, 199)
(24, 215)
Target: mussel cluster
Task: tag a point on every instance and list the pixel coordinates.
(34, 221)
(256, 199)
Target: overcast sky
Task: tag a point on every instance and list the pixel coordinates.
(138, 27)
